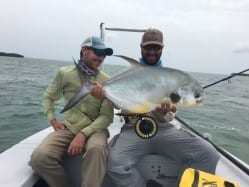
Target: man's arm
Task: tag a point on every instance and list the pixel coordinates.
(52, 94)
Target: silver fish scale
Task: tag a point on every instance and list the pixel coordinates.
(151, 85)
(141, 89)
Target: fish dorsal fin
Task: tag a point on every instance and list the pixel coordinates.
(132, 61)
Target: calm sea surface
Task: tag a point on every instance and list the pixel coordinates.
(225, 113)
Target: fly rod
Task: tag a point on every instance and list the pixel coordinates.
(226, 78)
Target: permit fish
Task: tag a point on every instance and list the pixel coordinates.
(142, 88)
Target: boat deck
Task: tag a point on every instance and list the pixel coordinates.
(17, 173)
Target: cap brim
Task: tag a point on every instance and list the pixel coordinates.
(152, 43)
(108, 51)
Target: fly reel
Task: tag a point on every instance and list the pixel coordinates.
(146, 127)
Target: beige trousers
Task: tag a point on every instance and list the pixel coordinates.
(47, 157)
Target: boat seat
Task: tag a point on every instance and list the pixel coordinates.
(73, 165)
(152, 167)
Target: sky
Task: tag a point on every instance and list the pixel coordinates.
(210, 36)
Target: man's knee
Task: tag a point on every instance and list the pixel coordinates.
(39, 158)
(124, 175)
(97, 151)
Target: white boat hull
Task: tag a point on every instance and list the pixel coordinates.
(15, 171)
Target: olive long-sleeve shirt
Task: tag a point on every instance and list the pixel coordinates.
(90, 114)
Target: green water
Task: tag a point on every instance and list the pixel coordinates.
(225, 113)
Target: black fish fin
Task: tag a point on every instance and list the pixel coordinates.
(175, 97)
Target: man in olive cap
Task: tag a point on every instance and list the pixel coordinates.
(151, 47)
(127, 149)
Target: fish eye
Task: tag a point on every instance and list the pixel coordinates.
(197, 95)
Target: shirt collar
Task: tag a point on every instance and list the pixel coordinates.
(83, 68)
(157, 64)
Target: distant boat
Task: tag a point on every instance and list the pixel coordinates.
(11, 54)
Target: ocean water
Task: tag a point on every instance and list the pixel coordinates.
(224, 115)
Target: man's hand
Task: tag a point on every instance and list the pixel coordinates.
(98, 91)
(57, 125)
(165, 108)
(77, 145)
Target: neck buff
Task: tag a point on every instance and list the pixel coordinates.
(84, 69)
(157, 64)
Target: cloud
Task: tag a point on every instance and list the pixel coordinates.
(242, 47)
(196, 31)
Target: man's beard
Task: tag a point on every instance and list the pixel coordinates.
(145, 59)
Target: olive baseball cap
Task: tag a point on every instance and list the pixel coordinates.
(152, 37)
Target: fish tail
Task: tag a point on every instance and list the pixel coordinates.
(83, 91)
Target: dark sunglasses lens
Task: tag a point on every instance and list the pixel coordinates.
(99, 52)
(152, 47)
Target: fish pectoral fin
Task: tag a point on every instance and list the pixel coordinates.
(175, 97)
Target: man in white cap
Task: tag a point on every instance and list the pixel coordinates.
(84, 128)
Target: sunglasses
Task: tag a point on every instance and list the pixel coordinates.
(152, 47)
(98, 52)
